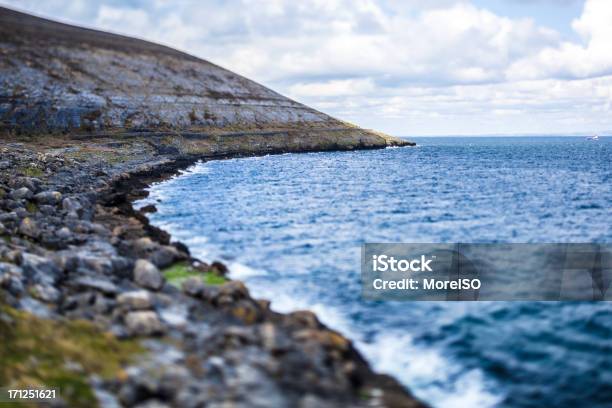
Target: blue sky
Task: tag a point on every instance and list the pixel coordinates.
(556, 14)
(411, 67)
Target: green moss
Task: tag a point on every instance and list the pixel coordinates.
(63, 354)
(31, 207)
(32, 171)
(181, 271)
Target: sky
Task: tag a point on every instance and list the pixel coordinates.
(411, 67)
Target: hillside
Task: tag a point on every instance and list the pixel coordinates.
(56, 77)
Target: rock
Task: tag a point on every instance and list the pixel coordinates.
(264, 304)
(29, 228)
(11, 255)
(8, 217)
(143, 323)
(201, 266)
(71, 205)
(304, 319)
(246, 311)
(31, 183)
(64, 233)
(21, 193)
(78, 301)
(234, 289)
(48, 197)
(100, 284)
(152, 404)
(22, 213)
(46, 293)
(10, 278)
(176, 315)
(326, 338)
(219, 268)
(47, 209)
(236, 336)
(149, 208)
(271, 339)
(165, 256)
(193, 286)
(135, 300)
(39, 270)
(13, 285)
(12, 205)
(173, 378)
(147, 275)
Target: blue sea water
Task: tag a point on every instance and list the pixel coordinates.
(291, 226)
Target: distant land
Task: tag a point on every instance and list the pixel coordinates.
(570, 134)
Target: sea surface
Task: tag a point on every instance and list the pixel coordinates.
(291, 226)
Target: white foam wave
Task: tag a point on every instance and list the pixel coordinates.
(241, 271)
(425, 371)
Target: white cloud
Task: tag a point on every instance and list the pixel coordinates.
(334, 88)
(592, 57)
(416, 66)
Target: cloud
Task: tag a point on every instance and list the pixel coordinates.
(416, 66)
(591, 58)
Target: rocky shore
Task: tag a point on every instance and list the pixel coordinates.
(102, 305)
(73, 249)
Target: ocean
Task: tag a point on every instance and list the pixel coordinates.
(291, 226)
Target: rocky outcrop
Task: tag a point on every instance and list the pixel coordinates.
(56, 77)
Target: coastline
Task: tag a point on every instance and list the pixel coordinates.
(293, 358)
(89, 120)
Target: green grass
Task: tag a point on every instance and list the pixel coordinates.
(108, 156)
(37, 352)
(32, 171)
(181, 271)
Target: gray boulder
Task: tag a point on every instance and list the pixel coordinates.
(20, 193)
(143, 323)
(71, 205)
(103, 285)
(39, 269)
(29, 228)
(48, 197)
(135, 300)
(147, 275)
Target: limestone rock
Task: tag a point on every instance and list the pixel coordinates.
(20, 193)
(135, 300)
(147, 275)
(143, 323)
(48, 197)
(29, 228)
